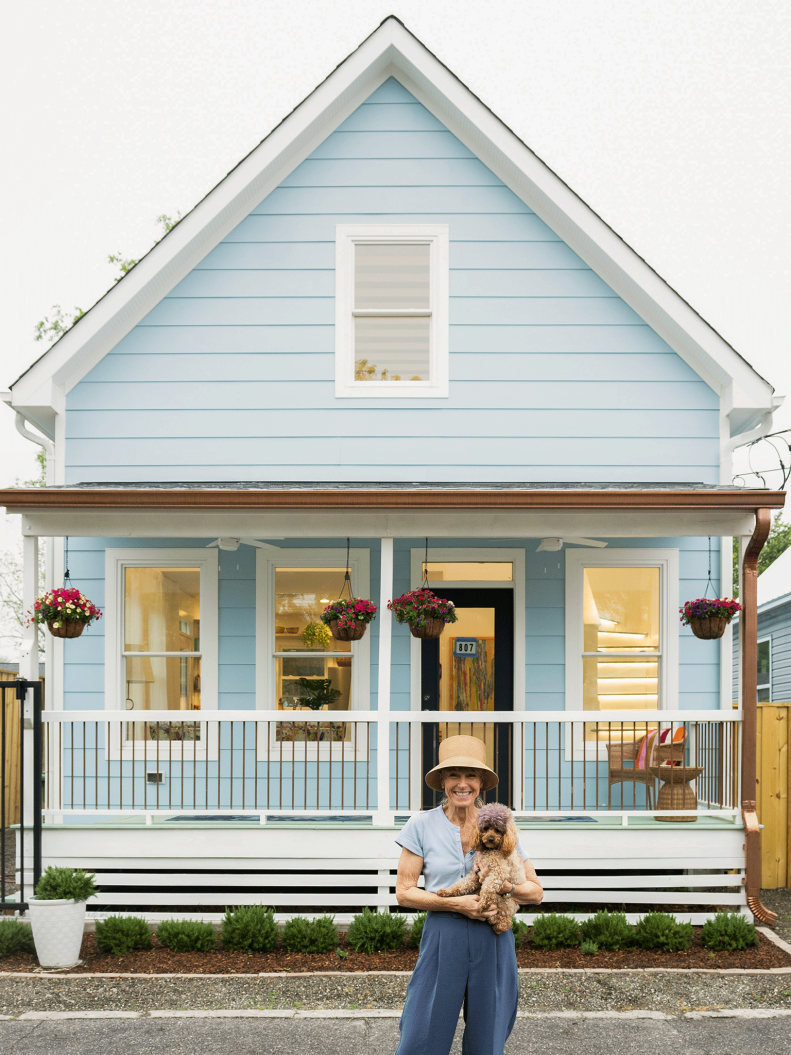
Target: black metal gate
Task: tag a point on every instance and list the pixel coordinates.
(24, 698)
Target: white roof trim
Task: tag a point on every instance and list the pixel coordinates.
(391, 51)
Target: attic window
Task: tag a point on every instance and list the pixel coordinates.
(391, 311)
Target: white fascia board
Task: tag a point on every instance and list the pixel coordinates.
(40, 407)
(393, 51)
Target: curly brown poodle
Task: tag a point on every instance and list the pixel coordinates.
(494, 837)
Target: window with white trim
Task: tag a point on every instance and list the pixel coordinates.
(765, 670)
(391, 310)
(161, 637)
(301, 669)
(621, 639)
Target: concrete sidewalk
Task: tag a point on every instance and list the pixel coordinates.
(379, 1036)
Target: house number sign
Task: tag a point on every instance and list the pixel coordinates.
(465, 646)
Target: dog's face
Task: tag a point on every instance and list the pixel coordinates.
(488, 837)
(491, 838)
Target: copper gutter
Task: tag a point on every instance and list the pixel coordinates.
(346, 499)
(748, 639)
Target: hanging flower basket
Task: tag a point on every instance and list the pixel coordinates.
(65, 611)
(432, 628)
(425, 613)
(708, 618)
(348, 620)
(65, 627)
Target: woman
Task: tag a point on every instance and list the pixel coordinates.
(462, 961)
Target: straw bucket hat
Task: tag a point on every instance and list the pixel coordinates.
(462, 752)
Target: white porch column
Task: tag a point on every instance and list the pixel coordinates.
(28, 664)
(384, 815)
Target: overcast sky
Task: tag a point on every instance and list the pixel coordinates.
(670, 119)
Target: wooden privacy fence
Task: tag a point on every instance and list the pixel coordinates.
(11, 753)
(12, 748)
(774, 800)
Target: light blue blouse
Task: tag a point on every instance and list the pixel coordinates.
(437, 840)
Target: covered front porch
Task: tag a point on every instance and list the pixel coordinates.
(241, 794)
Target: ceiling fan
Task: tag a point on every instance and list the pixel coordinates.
(553, 545)
(230, 544)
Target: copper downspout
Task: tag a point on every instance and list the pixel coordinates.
(748, 639)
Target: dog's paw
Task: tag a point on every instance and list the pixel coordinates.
(500, 926)
(444, 893)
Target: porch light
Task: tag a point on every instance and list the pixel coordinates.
(230, 545)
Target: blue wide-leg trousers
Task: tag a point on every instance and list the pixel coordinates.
(462, 962)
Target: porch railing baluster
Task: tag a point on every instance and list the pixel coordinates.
(244, 764)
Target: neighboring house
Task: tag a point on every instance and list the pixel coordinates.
(774, 634)
(391, 325)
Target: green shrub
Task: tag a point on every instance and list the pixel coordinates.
(609, 930)
(251, 928)
(660, 930)
(728, 930)
(376, 931)
(186, 935)
(521, 931)
(416, 933)
(302, 935)
(120, 935)
(589, 948)
(66, 883)
(554, 932)
(15, 937)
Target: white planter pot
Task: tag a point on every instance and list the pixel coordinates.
(57, 931)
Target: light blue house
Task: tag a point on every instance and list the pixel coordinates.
(391, 326)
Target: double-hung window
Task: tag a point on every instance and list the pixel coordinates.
(391, 315)
(161, 640)
(621, 637)
(301, 669)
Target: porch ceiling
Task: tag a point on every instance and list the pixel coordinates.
(510, 511)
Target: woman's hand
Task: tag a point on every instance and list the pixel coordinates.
(470, 905)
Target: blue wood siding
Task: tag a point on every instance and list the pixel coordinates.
(231, 376)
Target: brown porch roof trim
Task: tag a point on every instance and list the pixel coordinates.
(497, 498)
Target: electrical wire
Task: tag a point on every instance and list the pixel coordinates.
(784, 468)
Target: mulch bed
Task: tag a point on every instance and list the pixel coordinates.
(158, 960)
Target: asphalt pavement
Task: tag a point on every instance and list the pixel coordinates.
(271, 1036)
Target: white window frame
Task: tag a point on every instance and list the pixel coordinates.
(347, 236)
(758, 686)
(576, 561)
(116, 562)
(266, 564)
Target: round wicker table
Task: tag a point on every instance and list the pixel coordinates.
(675, 793)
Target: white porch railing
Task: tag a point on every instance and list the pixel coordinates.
(270, 764)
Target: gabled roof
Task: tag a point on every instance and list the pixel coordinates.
(391, 51)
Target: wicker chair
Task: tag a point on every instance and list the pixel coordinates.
(626, 751)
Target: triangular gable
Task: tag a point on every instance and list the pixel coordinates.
(392, 52)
